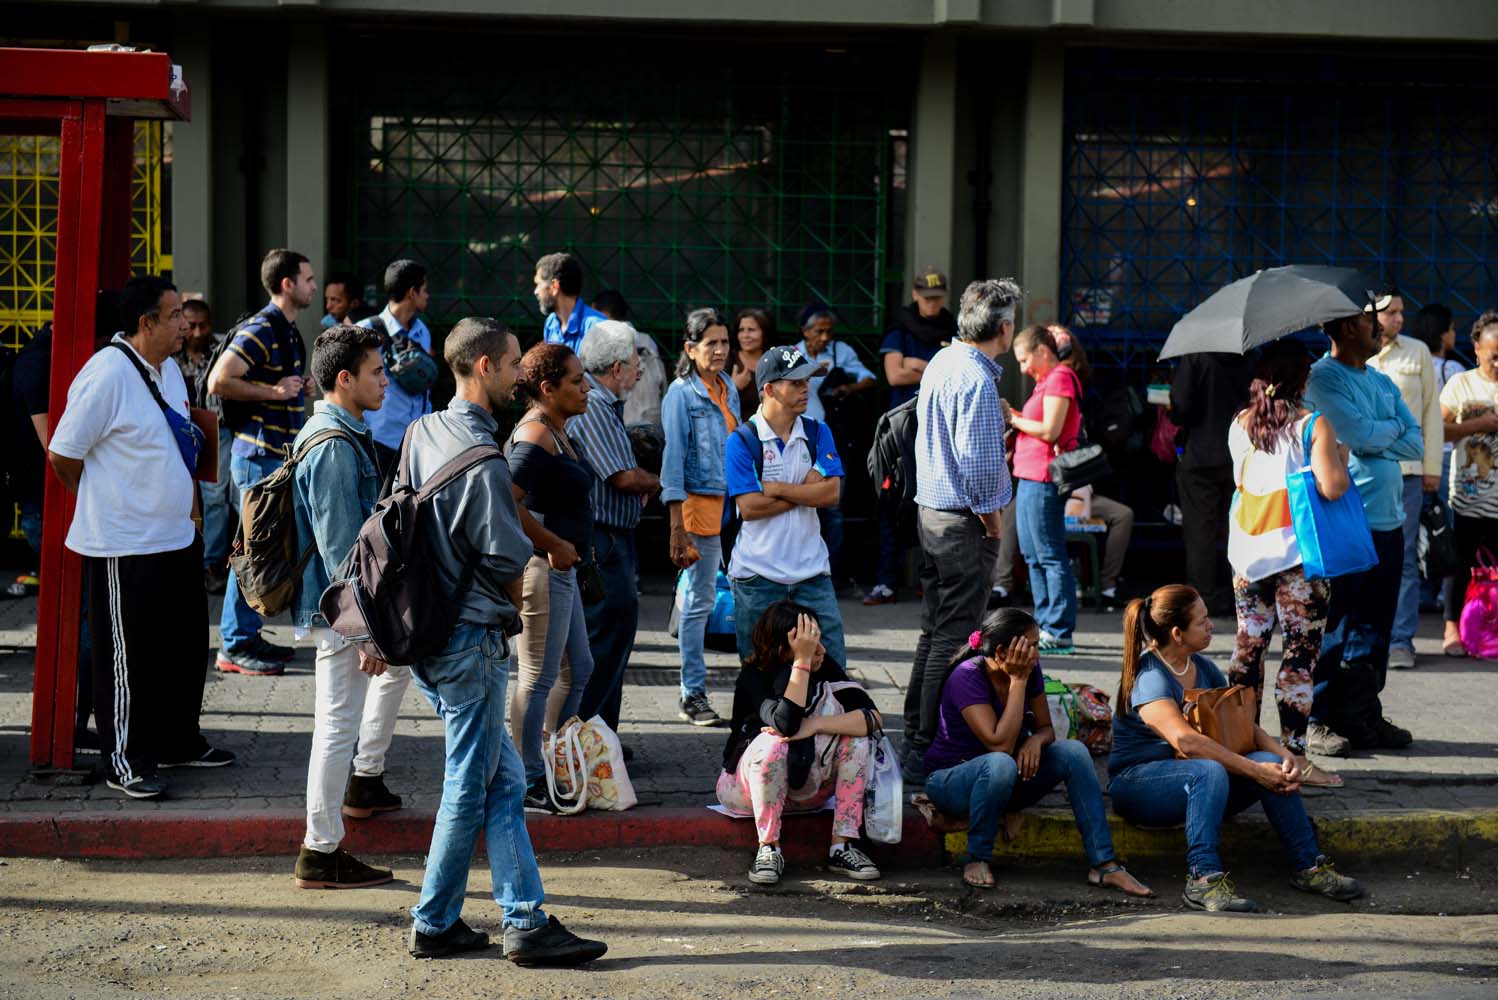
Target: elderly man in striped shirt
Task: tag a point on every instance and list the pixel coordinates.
(962, 483)
(611, 365)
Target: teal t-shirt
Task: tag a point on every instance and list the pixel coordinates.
(1133, 741)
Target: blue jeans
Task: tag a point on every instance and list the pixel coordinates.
(239, 624)
(220, 502)
(1041, 520)
(696, 607)
(752, 595)
(1202, 794)
(986, 787)
(483, 785)
(1407, 612)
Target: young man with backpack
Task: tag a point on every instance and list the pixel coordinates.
(407, 397)
(258, 373)
(335, 483)
(475, 546)
(781, 468)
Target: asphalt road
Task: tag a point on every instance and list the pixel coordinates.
(688, 924)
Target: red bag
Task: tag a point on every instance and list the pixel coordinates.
(1479, 621)
(1163, 440)
(1094, 719)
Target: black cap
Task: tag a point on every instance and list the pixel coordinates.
(929, 282)
(783, 363)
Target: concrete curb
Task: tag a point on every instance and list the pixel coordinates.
(1454, 837)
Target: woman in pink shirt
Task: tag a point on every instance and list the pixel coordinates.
(1049, 423)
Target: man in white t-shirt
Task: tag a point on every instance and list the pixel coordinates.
(781, 468)
(142, 554)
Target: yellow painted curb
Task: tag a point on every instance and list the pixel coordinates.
(1052, 833)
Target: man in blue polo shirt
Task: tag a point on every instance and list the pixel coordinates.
(559, 290)
(782, 467)
(406, 297)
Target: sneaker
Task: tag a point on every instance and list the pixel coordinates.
(86, 743)
(1324, 880)
(147, 786)
(538, 799)
(212, 757)
(1216, 894)
(697, 710)
(1052, 646)
(1391, 737)
(879, 595)
(1322, 740)
(769, 865)
(1109, 601)
(1401, 658)
(459, 937)
(850, 861)
(998, 598)
(337, 870)
(267, 650)
(244, 661)
(368, 795)
(552, 944)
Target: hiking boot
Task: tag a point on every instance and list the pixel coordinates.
(538, 799)
(1052, 646)
(879, 595)
(368, 795)
(1391, 737)
(697, 710)
(552, 944)
(212, 757)
(769, 865)
(245, 661)
(1321, 740)
(1401, 658)
(458, 937)
(1216, 894)
(336, 870)
(850, 861)
(1325, 880)
(146, 786)
(267, 650)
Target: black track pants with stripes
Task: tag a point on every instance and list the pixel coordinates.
(146, 617)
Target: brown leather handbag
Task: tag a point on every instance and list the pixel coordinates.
(1227, 715)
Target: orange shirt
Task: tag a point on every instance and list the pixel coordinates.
(703, 515)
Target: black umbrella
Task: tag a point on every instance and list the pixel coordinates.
(1268, 304)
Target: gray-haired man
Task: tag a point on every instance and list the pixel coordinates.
(611, 365)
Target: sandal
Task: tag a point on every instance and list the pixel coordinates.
(1456, 650)
(978, 885)
(934, 817)
(1318, 777)
(1097, 878)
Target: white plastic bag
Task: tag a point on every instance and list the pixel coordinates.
(585, 768)
(566, 769)
(883, 804)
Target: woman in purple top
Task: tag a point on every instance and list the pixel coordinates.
(995, 751)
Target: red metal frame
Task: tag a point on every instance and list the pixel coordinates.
(88, 100)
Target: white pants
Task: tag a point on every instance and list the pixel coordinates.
(350, 706)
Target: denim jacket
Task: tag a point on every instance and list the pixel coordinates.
(696, 438)
(334, 489)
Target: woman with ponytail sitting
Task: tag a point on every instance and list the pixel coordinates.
(1163, 635)
(995, 751)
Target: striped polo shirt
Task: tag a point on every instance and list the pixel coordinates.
(599, 434)
(272, 347)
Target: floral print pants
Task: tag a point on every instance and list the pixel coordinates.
(1300, 607)
(758, 787)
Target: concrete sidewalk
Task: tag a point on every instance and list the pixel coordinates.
(1439, 796)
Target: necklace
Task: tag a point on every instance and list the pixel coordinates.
(1171, 667)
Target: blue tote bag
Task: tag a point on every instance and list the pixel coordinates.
(1333, 535)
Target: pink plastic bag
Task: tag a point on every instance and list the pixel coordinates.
(1479, 621)
(1163, 440)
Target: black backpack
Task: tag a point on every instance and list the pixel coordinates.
(386, 597)
(891, 467)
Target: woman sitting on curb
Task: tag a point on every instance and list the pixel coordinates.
(799, 735)
(1163, 634)
(995, 752)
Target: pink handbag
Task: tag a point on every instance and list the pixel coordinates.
(1479, 621)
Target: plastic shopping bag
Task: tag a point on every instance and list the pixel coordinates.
(884, 806)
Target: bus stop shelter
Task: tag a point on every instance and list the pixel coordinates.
(90, 101)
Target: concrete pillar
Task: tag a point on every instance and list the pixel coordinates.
(933, 164)
(307, 157)
(1041, 180)
(192, 169)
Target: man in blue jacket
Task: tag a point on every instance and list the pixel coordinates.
(334, 488)
(1371, 419)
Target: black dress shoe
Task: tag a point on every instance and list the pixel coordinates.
(551, 944)
(459, 937)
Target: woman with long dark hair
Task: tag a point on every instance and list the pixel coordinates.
(995, 752)
(753, 335)
(1163, 772)
(799, 734)
(1269, 583)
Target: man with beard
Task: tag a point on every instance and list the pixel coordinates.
(559, 293)
(925, 327)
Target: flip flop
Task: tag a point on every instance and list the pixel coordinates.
(979, 885)
(934, 817)
(1455, 650)
(1096, 878)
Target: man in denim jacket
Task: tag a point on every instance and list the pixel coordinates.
(335, 486)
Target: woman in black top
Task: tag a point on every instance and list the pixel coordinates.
(555, 483)
(800, 733)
